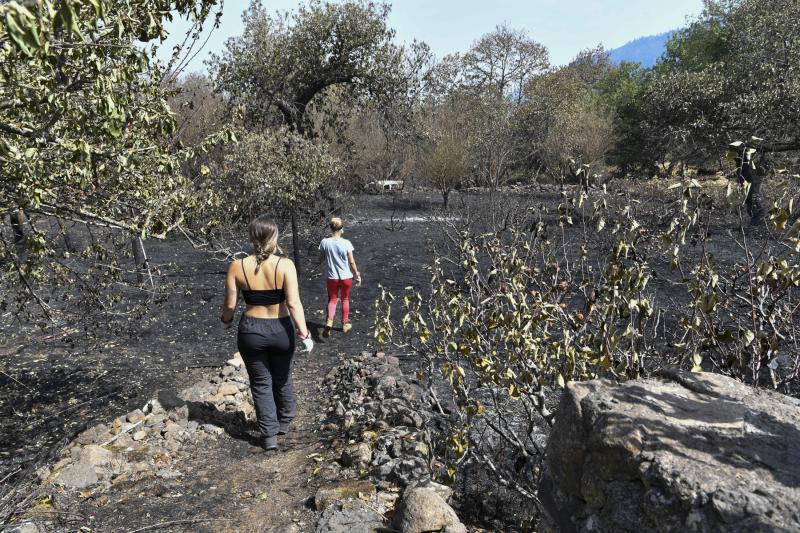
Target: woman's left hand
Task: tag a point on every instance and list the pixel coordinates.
(308, 343)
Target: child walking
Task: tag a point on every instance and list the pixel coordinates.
(340, 269)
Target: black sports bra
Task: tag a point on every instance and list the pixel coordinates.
(263, 296)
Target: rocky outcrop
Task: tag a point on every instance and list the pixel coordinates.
(685, 452)
(145, 441)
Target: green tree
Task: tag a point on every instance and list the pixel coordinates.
(730, 75)
(620, 92)
(282, 62)
(563, 125)
(323, 56)
(503, 61)
(85, 136)
(696, 47)
(446, 157)
(278, 168)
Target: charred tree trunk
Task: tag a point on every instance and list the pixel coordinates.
(139, 258)
(295, 241)
(18, 220)
(65, 235)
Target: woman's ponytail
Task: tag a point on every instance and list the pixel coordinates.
(264, 236)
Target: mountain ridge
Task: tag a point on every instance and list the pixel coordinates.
(645, 50)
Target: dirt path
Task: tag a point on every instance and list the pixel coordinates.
(228, 484)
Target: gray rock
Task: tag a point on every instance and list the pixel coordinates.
(24, 527)
(422, 509)
(172, 446)
(78, 476)
(387, 499)
(126, 441)
(156, 420)
(172, 427)
(381, 458)
(358, 455)
(93, 435)
(179, 413)
(328, 494)
(352, 516)
(135, 416)
(212, 429)
(410, 470)
(43, 472)
(94, 455)
(228, 389)
(124, 428)
(288, 528)
(417, 448)
(166, 400)
(236, 362)
(339, 409)
(443, 491)
(166, 473)
(686, 452)
(384, 470)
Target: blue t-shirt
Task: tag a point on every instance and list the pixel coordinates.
(336, 264)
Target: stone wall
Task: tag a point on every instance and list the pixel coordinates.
(381, 419)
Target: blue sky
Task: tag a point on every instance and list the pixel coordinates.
(564, 26)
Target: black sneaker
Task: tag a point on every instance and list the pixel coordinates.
(284, 429)
(269, 443)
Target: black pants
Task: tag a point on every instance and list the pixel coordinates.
(267, 347)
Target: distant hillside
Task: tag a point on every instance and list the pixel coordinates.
(644, 50)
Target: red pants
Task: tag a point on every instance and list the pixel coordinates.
(335, 288)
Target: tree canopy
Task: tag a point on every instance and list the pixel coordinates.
(86, 135)
(733, 74)
(282, 62)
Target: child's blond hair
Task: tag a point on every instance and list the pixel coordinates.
(336, 224)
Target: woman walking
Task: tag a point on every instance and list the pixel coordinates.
(266, 337)
(340, 268)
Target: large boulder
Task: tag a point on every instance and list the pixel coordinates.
(685, 452)
(423, 509)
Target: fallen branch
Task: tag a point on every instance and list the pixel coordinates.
(121, 433)
(16, 381)
(10, 475)
(179, 522)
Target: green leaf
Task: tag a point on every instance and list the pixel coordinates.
(17, 35)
